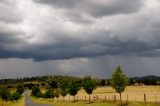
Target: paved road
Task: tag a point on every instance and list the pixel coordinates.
(29, 102)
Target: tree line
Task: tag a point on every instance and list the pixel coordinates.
(55, 90)
(118, 81)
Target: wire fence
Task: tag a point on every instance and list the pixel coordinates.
(136, 97)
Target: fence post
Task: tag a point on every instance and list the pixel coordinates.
(77, 98)
(145, 98)
(115, 98)
(127, 97)
(105, 98)
(155, 98)
(85, 98)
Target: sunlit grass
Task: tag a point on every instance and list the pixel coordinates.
(83, 103)
(20, 102)
(135, 96)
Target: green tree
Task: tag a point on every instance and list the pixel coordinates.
(119, 81)
(64, 88)
(15, 96)
(57, 94)
(20, 89)
(35, 89)
(49, 93)
(5, 94)
(89, 85)
(39, 94)
(102, 82)
(53, 84)
(73, 88)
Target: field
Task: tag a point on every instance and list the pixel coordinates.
(104, 96)
(82, 103)
(20, 102)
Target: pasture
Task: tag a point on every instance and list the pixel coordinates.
(20, 102)
(106, 96)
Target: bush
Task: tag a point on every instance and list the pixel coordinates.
(35, 89)
(20, 89)
(15, 96)
(5, 94)
(49, 94)
(53, 84)
(39, 94)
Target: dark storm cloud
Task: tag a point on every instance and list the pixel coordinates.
(96, 8)
(47, 33)
(79, 37)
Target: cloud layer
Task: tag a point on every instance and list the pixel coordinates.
(45, 30)
(53, 29)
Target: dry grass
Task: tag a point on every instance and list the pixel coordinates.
(135, 93)
(105, 97)
(83, 103)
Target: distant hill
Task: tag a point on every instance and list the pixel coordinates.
(149, 77)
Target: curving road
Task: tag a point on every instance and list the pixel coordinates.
(29, 102)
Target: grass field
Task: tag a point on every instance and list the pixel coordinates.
(20, 102)
(83, 103)
(132, 93)
(105, 97)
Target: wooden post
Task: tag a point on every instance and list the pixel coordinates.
(77, 98)
(155, 98)
(127, 97)
(145, 98)
(85, 98)
(115, 98)
(105, 98)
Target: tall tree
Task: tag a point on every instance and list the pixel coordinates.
(57, 94)
(20, 89)
(5, 94)
(53, 84)
(49, 93)
(119, 81)
(89, 85)
(73, 88)
(64, 88)
(35, 90)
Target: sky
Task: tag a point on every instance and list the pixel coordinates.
(79, 37)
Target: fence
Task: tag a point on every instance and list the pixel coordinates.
(138, 97)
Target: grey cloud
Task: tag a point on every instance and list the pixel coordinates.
(96, 8)
(39, 39)
(8, 11)
(57, 38)
(101, 67)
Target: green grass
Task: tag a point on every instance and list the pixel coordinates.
(20, 102)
